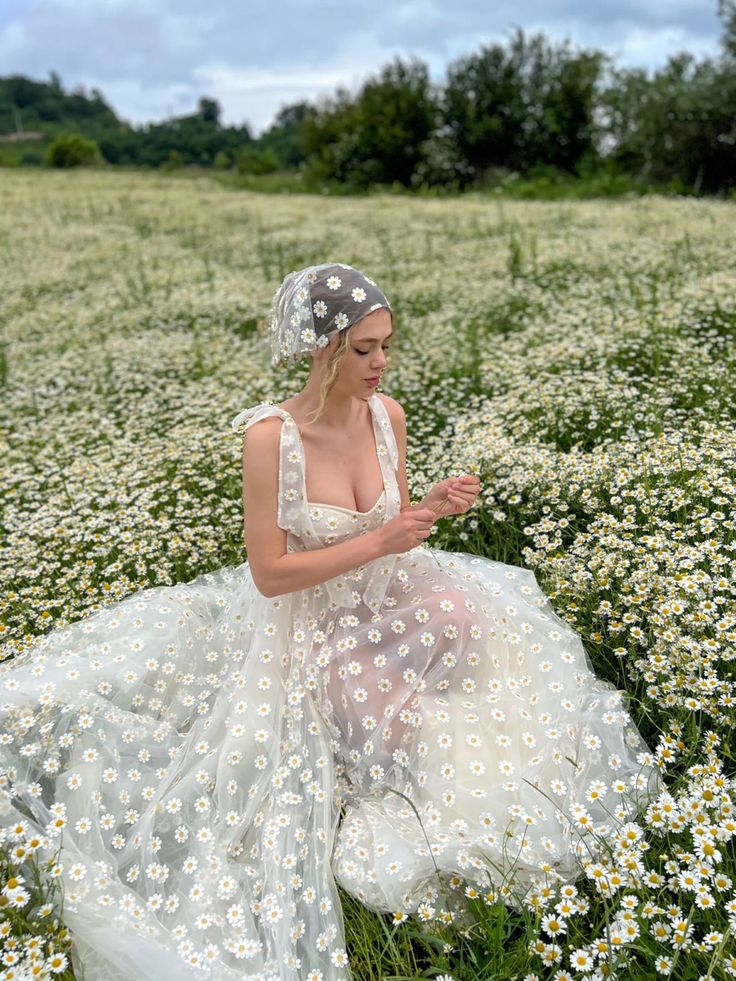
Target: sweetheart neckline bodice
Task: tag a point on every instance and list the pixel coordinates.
(339, 507)
(371, 402)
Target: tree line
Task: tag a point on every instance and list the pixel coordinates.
(525, 106)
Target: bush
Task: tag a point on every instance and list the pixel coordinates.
(441, 165)
(73, 150)
(174, 161)
(251, 160)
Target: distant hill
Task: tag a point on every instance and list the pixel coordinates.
(33, 113)
(45, 107)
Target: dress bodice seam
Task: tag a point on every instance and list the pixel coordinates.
(339, 507)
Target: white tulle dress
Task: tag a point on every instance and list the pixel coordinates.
(211, 761)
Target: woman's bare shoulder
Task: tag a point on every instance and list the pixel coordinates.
(265, 432)
(261, 447)
(394, 408)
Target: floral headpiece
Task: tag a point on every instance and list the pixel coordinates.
(313, 303)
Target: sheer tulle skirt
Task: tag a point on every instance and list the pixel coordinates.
(210, 759)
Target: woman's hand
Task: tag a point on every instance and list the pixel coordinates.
(407, 530)
(455, 495)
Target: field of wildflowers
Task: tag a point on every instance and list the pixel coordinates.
(579, 355)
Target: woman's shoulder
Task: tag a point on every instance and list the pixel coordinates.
(394, 408)
(262, 442)
(268, 415)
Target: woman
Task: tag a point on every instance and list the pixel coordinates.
(348, 705)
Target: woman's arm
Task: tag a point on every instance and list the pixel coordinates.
(299, 570)
(274, 570)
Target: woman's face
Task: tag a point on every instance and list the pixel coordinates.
(368, 344)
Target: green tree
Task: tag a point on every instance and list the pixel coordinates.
(72, 150)
(375, 137)
(679, 125)
(727, 13)
(283, 135)
(45, 106)
(532, 102)
(209, 111)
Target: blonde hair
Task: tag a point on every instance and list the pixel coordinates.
(333, 364)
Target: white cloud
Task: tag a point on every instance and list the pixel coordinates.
(257, 93)
(13, 42)
(651, 47)
(143, 104)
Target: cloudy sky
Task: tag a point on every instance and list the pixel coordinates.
(155, 58)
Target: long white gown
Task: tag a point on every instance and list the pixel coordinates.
(212, 760)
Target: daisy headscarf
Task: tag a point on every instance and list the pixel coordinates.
(315, 302)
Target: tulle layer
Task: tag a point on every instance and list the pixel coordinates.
(212, 761)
